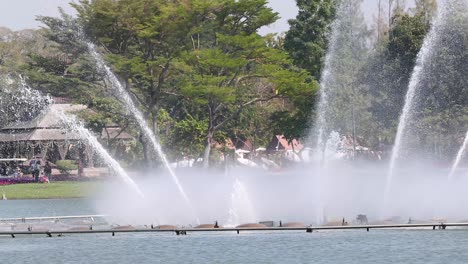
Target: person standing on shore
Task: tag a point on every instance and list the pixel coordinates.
(36, 169)
(47, 170)
(80, 167)
(17, 173)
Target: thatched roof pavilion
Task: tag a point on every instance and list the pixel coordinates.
(44, 135)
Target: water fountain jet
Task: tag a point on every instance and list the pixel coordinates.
(241, 210)
(39, 101)
(75, 126)
(423, 59)
(124, 95)
(345, 33)
(459, 156)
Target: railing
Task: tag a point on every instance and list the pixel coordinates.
(25, 219)
(184, 231)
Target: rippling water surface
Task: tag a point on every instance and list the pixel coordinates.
(376, 246)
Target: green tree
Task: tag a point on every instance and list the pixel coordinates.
(143, 39)
(442, 109)
(193, 67)
(307, 39)
(346, 105)
(148, 39)
(238, 72)
(66, 70)
(188, 138)
(15, 45)
(427, 8)
(233, 68)
(386, 75)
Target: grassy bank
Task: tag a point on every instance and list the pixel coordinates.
(65, 189)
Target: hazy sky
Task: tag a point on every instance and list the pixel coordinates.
(288, 9)
(21, 14)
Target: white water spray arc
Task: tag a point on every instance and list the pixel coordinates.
(76, 127)
(459, 157)
(241, 209)
(423, 59)
(123, 94)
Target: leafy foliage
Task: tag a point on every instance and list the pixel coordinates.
(201, 74)
(66, 165)
(199, 64)
(307, 39)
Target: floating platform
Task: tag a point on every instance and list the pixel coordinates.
(184, 231)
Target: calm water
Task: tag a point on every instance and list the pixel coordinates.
(45, 207)
(376, 246)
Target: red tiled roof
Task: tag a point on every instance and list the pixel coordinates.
(280, 143)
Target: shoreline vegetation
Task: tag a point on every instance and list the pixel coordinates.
(53, 190)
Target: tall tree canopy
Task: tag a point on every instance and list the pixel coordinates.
(307, 39)
(387, 73)
(188, 64)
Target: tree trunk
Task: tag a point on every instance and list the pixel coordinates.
(206, 155)
(145, 148)
(209, 137)
(154, 123)
(379, 21)
(390, 3)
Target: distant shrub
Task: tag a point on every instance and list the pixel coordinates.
(66, 165)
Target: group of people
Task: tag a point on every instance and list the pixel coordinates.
(10, 170)
(39, 173)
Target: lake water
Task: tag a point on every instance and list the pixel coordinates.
(376, 246)
(45, 207)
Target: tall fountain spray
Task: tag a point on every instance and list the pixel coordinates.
(37, 102)
(241, 209)
(19, 101)
(77, 127)
(423, 59)
(345, 52)
(123, 94)
(325, 82)
(460, 154)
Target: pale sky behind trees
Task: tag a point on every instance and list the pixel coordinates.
(20, 14)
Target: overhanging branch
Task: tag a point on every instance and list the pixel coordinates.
(241, 107)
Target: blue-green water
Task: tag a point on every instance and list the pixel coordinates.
(292, 247)
(376, 246)
(45, 207)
